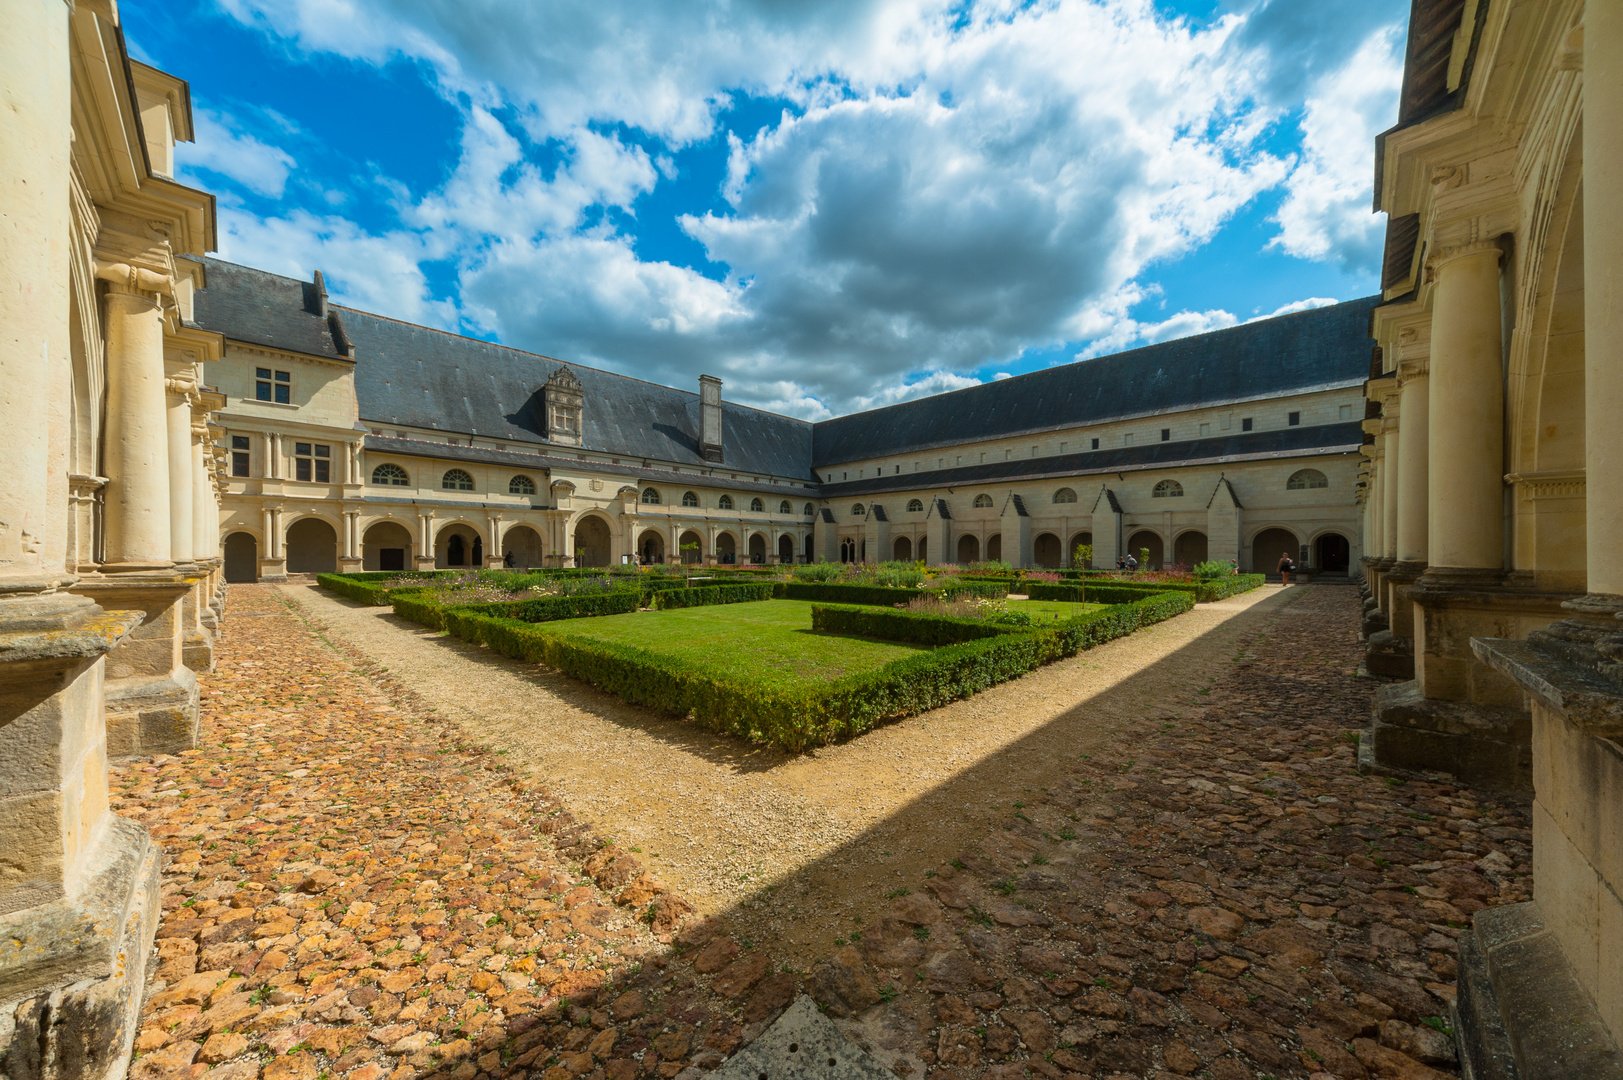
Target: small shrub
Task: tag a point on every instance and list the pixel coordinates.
(823, 571)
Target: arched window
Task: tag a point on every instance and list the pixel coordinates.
(757, 506)
(689, 499)
(1167, 489)
(456, 480)
(1302, 479)
(809, 510)
(858, 510)
(983, 501)
(1065, 495)
(726, 502)
(521, 485)
(390, 475)
(784, 508)
(650, 496)
(915, 506)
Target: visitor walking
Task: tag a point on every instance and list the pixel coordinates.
(1121, 564)
(508, 561)
(1285, 568)
(1132, 564)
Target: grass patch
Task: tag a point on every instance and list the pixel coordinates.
(769, 642)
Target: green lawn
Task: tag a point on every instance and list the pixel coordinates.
(769, 642)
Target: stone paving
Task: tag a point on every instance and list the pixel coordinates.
(354, 891)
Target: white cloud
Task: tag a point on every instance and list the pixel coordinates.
(955, 185)
(1326, 211)
(222, 147)
(1297, 305)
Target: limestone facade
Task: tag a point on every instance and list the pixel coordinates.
(108, 518)
(1492, 487)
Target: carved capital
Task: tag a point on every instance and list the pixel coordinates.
(1442, 256)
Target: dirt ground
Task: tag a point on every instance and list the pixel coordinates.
(797, 848)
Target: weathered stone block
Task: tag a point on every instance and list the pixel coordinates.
(1477, 743)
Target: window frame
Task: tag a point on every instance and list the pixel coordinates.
(517, 482)
(785, 508)
(312, 462)
(1167, 489)
(405, 477)
(650, 496)
(915, 506)
(1063, 495)
(241, 459)
(690, 498)
(982, 501)
(1245, 423)
(757, 506)
(1293, 419)
(447, 484)
(1308, 484)
(725, 503)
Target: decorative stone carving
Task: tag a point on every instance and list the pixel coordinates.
(565, 404)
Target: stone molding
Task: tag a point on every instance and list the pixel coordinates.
(1548, 484)
(1442, 256)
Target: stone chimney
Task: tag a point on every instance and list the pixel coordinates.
(710, 418)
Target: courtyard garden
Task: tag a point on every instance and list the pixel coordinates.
(796, 657)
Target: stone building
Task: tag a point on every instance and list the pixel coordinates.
(1493, 490)
(108, 517)
(360, 442)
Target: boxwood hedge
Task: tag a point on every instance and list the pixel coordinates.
(841, 708)
(418, 608)
(839, 593)
(717, 593)
(1121, 591)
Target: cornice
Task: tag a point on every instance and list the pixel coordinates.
(1549, 484)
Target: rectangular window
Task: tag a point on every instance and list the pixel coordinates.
(262, 384)
(312, 461)
(1205, 430)
(284, 388)
(239, 455)
(1346, 412)
(1127, 439)
(1245, 424)
(1095, 444)
(1295, 419)
(1166, 434)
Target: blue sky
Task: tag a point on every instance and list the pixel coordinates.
(831, 204)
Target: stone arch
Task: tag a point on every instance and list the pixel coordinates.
(241, 558)
(591, 541)
(1189, 547)
(902, 549)
(969, 548)
(810, 547)
(1332, 552)
(726, 547)
(690, 547)
(994, 547)
(458, 545)
(786, 548)
(523, 544)
(757, 547)
(1045, 550)
(386, 545)
(1084, 537)
(651, 547)
(1147, 538)
(1267, 546)
(848, 550)
(312, 546)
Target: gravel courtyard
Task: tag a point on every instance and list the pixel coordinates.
(395, 856)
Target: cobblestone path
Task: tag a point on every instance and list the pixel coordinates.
(351, 892)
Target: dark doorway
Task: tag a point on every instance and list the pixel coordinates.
(1334, 554)
(241, 559)
(391, 558)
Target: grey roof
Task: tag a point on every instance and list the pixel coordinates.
(1305, 441)
(523, 459)
(1307, 350)
(259, 308)
(418, 377)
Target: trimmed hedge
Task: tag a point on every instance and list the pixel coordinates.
(1123, 592)
(350, 589)
(1220, 588)
(838, 593)
(895, 624)
(1071, 594)
(542, 609)
(412, 604)
(845, 707)
(991, 588)
(718, 593)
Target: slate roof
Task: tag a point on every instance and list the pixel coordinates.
(418, 377)
(1305, 441)
(1319, 349)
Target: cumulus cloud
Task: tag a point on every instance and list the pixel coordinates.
(951, 187)
(223, 147)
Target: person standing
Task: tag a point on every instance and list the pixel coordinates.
(1285, 568)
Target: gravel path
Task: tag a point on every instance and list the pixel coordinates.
(726, 822)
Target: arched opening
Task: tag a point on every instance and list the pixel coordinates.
(757, 548)
(1269, 546)
(312, 547)
(1189, 548)
(1081, 539)
(969, 549)
(458, 545)
(241, 558)
(691, 545)
(593, 543)
(924, 549)
(385, 546)
(1045, 550)
(848, 550)
(1145, 540)
(902, 549)
(994, 547)
(1332, 553)
(726, 549)
(983, 502)
(811, 547)
(521, 548)
(786, 548)
(651, 547)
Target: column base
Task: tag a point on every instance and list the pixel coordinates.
(272, 569)
(423, 562)
(72, 971)
(154, 715)
(1389, 656)
(1410, 735)
(350, 566)
(1521, 1013)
